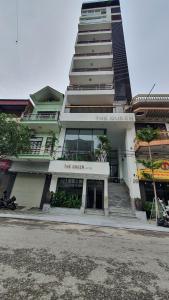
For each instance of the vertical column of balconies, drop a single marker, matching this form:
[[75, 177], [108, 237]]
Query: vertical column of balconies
[[91, 76]]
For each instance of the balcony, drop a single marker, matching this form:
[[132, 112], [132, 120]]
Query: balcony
[[91, 87], [162, 143], [92, 69], [43, 122], [94, 41], [96, 76], [38, 154], [95, 30], [104, 46], [94, 54], [93, 19], [92, 94], [94, 109], [101, 25], [149, 107]]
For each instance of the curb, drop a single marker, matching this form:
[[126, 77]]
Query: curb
[[71, 220]]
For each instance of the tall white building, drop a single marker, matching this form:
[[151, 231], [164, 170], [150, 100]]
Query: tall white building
[[95, 106]]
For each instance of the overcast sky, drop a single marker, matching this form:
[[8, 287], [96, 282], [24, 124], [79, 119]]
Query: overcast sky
[[47, 32]]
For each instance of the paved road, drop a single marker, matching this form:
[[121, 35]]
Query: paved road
[[41, 261]]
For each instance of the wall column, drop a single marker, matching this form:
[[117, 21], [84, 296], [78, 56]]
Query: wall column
[[131, 167], [120, 164], [53, 183], [106, 198], [83, 206], [60, 143]]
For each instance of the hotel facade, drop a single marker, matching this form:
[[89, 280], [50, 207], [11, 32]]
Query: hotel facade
[[95, 105]]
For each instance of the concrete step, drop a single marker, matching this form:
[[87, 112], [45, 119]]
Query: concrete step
[[120, 215], [97, 212]]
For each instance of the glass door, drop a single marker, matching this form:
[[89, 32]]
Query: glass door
[[95, 194]]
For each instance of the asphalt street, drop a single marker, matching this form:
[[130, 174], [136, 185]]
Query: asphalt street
[[43, 260]]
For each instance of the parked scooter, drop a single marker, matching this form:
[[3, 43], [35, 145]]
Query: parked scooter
[[8, 203], [164, 221]]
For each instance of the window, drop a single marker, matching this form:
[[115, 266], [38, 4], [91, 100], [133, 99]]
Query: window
[[116, 17], [81, 143], [115, 10], [70, 186], [36, 144]]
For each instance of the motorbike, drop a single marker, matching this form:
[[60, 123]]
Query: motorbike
[[164, 221], [8, 203]]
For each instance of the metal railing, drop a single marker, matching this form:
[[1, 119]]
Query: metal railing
[[92, 69], [39, 151], [90, 87], [95, 108], [150, 98], [92, 54], [70, 155], [94, 41], [41, 117], [94, 30]]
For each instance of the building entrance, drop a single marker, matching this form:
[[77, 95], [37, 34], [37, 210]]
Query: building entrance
[[114, 166], [95, 194]]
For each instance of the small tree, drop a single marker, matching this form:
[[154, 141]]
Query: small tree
[[14, 137], [149, 134], [103, 149]]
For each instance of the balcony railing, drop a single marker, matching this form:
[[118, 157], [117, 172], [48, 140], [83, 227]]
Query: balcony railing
[[93, 54], [38, 152], [151, 98], [41, 117], [90, 87], [71, 155], [162, 139], [92, 69], [94, 41], [94, 30], [95, 108]]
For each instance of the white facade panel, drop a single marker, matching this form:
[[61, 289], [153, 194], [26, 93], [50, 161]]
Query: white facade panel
[[80, 169]]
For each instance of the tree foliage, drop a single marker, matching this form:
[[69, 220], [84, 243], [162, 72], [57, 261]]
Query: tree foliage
[[147, 134], [103, 148], [14, 137]]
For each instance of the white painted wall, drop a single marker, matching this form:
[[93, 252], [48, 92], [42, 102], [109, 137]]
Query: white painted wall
[[129, 165], [28, 189]]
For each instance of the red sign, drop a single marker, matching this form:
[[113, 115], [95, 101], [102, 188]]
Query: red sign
[[5, 165]]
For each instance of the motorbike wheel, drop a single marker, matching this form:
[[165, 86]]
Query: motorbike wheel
[[160, 222]]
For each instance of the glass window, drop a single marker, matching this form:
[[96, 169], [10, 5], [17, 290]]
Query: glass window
[[81, 143], [115, 10], [71, 140], [96, 134], [85, 142], [36, 144]]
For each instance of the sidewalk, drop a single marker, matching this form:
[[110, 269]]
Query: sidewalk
[[65, 216]]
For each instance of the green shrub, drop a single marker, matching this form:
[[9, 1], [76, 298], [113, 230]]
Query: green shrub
[[68, 200], [147, 208]]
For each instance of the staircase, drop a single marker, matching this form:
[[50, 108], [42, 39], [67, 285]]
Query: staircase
[[119, 201]]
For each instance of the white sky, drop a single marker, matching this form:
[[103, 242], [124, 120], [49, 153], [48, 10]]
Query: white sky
[[47, 33]]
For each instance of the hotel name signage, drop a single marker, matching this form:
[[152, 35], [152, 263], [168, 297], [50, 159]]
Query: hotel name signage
[[76, 167], [115, 117]]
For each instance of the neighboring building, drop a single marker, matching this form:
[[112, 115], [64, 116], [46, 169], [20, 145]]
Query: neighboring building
[[14, 107], [153, 110], [30, 170], [94, 105]]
